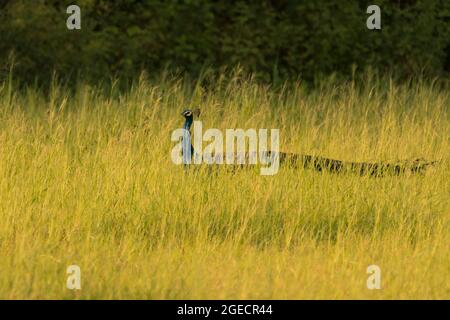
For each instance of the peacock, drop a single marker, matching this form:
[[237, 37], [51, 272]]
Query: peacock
[[318, 163]]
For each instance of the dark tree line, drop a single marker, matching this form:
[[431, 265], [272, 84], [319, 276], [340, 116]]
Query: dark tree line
[[274, 39]]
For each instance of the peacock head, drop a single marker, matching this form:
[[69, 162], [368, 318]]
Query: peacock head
[[189, 114]]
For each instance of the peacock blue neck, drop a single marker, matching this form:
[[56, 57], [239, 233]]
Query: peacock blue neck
[[188, 123], [187, 148]]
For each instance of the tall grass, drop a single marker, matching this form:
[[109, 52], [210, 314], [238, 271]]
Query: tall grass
[[86, 178]]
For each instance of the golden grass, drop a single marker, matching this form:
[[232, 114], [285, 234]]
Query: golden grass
[[86, 179]]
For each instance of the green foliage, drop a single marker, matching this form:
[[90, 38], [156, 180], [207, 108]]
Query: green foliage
[[273, 39]]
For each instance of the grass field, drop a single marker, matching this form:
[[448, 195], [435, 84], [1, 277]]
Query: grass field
[[86, 178]]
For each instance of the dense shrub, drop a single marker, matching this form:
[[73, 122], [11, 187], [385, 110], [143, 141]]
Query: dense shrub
[[274, 39]]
